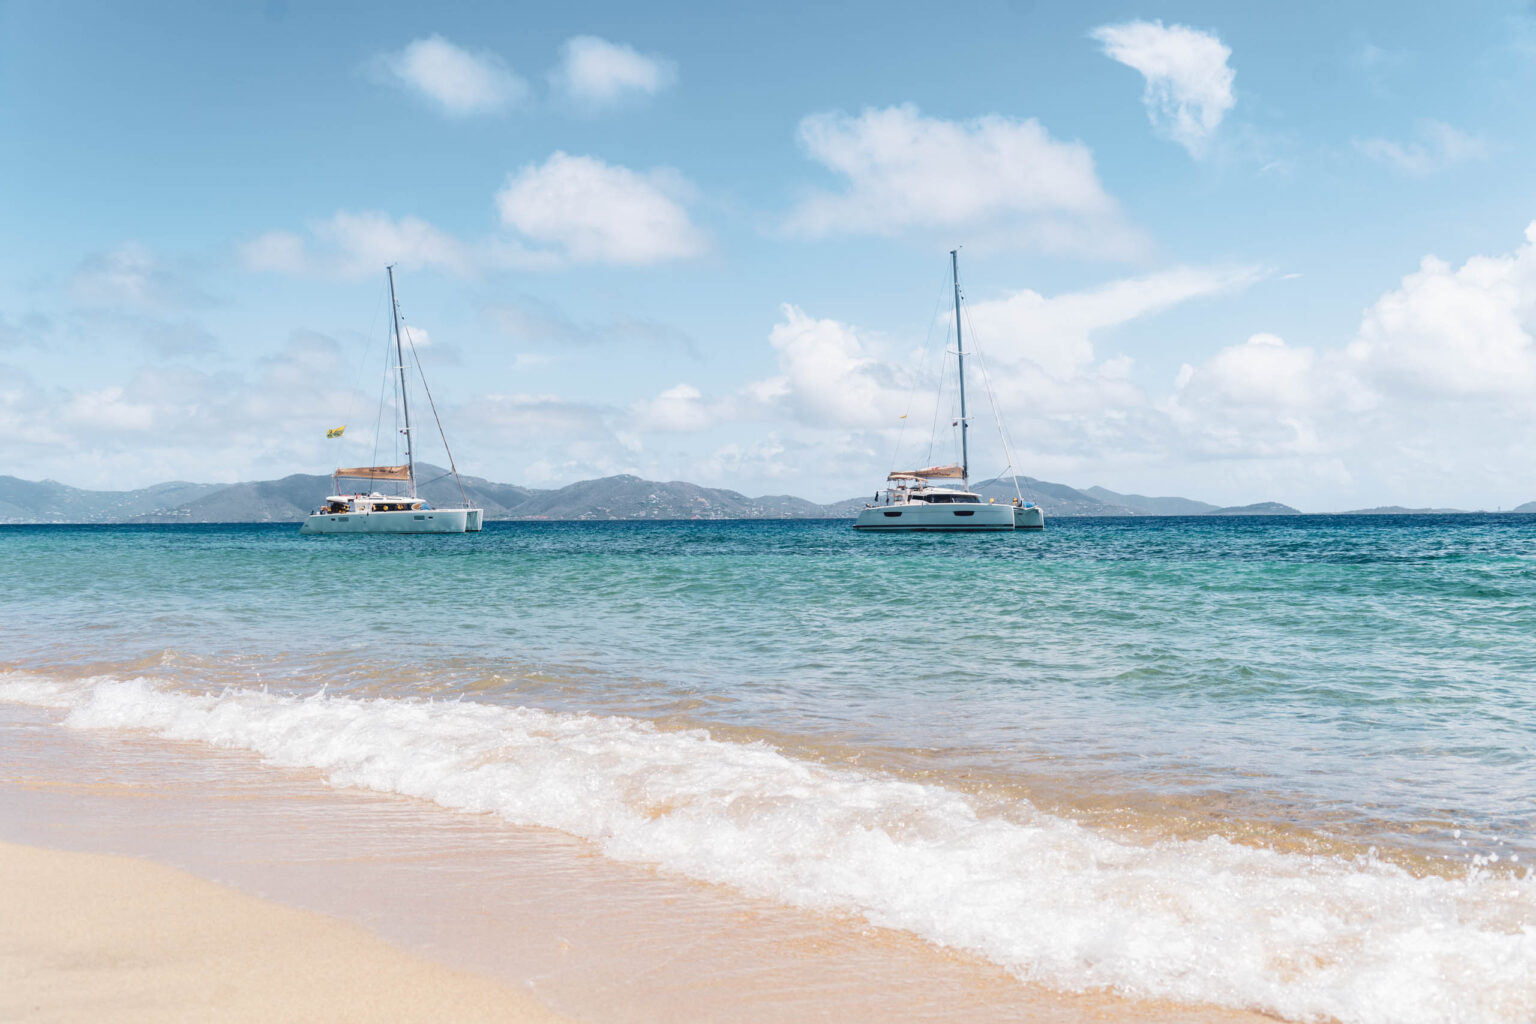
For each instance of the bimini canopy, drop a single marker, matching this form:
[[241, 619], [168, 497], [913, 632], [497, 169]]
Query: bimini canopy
[[376, 472], [931, 473]]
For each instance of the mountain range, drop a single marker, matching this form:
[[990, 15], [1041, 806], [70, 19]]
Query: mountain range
[[616, 497]]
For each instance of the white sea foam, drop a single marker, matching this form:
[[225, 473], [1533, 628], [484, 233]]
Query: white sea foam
[[1299, 936]]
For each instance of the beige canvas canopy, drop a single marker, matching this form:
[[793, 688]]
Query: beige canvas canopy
[[931, 473], [376, 472]]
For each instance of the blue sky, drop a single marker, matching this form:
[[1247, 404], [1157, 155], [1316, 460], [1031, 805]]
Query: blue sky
[[1236, 254]]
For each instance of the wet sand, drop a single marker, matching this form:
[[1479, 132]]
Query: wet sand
[[522, 918]]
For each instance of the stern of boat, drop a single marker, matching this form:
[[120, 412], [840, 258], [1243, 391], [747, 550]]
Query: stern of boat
[[1028, 517]]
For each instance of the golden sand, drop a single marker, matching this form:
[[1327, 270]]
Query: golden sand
[[529, 912], [91, 937]]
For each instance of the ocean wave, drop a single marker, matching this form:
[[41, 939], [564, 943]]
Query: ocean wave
[[1209, 921]]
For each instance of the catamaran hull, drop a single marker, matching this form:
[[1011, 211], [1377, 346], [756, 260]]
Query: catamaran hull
[[948, 518], [1032, 518], [437, 520], [472, 520]]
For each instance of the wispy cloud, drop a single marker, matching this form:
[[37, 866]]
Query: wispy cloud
[[1436, 147], [1189, 83], [131, 277]]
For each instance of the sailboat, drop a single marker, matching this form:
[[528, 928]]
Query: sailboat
[[919, 499], [374, 512]]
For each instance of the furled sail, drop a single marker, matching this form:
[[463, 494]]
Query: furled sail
[[376, 472], [930, 473]]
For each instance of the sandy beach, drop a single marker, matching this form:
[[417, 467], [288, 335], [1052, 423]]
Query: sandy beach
[[343, 904], [103, 938]]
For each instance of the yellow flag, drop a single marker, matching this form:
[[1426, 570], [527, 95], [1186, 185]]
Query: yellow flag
[[336, 431]]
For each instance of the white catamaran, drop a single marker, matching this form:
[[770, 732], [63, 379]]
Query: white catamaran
[[912, 501], [399, 513]]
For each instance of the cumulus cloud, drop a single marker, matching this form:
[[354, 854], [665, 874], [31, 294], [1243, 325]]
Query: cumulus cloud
[[1005, 176], [1464, 331], [569, 209], [1259, 399], [596, 72], [588, 211], [831, 374], [1189, 83], [1440, 374], [1436, 147], [459, 82]]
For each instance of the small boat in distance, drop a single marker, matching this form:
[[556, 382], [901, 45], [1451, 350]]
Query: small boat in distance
[[375, 512], [911, 500]]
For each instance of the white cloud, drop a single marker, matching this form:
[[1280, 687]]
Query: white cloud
[[179, 423], [1437, 147], [357, 244], [108, 409], [831, 374], [1038, 355], [1055, 333], [680, 408], [1456, 332], [573, 209], [460, 82], [588, 211], [1189, 84], [415, 334], [995, 174], [1426, 405], [1425, 402], [597, 72], [276, 250], [1260, 399]]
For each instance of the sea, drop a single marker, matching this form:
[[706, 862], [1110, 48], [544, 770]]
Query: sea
[[1274, 763]]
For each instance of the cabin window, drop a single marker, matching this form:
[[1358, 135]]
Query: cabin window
[[892, 514], [418, 517], [968, 512]]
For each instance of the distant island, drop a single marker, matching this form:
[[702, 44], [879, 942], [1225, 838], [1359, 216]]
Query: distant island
[[622, 497]]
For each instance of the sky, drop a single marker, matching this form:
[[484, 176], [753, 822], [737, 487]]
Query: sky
[[1231, 252]]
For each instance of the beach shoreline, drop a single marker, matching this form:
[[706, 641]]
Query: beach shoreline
[[532, 914]]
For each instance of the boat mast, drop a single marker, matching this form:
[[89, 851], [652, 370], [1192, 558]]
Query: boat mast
[[965, 458], [410, 457]]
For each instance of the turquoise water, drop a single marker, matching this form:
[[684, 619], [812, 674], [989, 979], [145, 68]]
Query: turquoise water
[[1281, 763], [1370, 676]]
